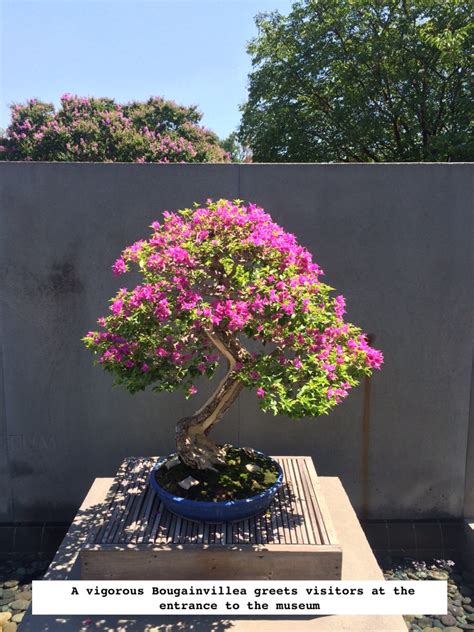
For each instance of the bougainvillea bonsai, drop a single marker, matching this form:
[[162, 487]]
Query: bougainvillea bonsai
[[223, 279]]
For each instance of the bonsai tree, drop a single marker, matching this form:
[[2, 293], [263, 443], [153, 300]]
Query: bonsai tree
[[224, 280]]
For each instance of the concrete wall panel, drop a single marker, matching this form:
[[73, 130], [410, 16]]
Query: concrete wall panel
[[396, 240]]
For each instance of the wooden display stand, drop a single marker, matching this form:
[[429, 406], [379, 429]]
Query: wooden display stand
[[137, 538]]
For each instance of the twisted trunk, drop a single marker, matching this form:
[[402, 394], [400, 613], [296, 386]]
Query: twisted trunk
[[192, 441]]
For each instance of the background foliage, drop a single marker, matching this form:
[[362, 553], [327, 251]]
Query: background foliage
[[101, 130], [362, 80]]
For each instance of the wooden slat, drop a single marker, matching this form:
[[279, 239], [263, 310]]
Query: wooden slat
[[131, 523], [119, 482], [275, 537], [307, 525], [122, 501], [276, 513], [298, 515], [150, 497], [212, 534], [282, 514], [160, 521], [288, 510], [218, 563], [311, 512], [101, 518], [312, 490]]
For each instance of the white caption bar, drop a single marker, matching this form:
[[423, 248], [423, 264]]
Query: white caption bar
[[239, 597]]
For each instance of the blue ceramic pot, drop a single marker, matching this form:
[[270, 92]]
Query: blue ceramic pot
[[219, 511]]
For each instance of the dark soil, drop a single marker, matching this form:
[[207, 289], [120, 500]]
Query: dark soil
[[230, 482]]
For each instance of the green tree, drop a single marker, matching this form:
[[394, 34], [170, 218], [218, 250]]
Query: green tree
[[235, 149], [362, 80]]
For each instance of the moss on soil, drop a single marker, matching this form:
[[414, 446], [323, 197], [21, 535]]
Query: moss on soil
[[230, 482]]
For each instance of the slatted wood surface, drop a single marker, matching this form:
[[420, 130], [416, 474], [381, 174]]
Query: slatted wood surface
[[136, 520]]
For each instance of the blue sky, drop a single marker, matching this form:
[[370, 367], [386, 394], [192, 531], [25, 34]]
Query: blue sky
[[191, 51]]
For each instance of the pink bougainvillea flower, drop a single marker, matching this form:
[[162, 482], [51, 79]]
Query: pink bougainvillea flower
[[119, 267]]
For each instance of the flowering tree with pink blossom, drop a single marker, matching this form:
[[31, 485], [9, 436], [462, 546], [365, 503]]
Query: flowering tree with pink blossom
[[218, 279], [101, 130]]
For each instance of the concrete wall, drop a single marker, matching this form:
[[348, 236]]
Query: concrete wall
[[396, 240], [469, 479]]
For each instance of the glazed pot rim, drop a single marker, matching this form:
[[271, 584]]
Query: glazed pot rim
[[216, 503]]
